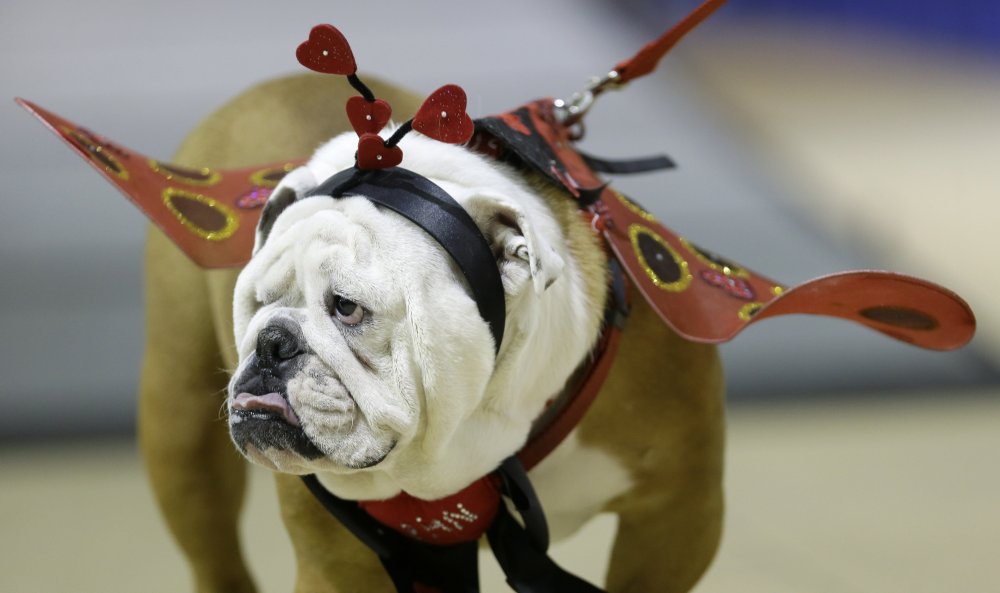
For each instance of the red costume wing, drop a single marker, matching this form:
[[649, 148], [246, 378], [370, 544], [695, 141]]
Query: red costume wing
[[210, 214], [706, 298]]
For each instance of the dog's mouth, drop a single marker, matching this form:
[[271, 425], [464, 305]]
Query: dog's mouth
[[270, 406], [268, 422]]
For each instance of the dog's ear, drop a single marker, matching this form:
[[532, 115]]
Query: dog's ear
[[292, 187], [521, 249]]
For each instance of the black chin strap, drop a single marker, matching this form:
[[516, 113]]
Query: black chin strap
[[432, 209], [521, 549]]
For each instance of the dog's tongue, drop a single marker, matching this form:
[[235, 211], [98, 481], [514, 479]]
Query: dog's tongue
[[269, 402]]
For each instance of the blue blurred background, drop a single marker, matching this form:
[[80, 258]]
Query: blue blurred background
[[973, 24]]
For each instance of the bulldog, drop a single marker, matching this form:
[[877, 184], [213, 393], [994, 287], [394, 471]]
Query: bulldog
[[364, 359], [370, 364], [369, 359], [361, 358]]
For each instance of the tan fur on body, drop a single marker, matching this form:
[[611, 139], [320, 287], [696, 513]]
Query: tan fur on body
[[660, 414]]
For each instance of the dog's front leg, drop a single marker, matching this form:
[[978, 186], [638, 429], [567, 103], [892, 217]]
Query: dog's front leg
[[196, 473], [671, 522], [330, 558], [666, 551], [669, 529], [662, 415]]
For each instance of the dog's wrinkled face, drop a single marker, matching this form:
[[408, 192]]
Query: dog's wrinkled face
[[363, 357], [341, 314]]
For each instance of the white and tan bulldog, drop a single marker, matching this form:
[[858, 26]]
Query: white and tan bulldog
[[383, 376], [362, 357], [364, 360]]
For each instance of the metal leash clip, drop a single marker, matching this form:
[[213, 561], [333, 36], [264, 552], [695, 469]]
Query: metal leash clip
[[571, 112]]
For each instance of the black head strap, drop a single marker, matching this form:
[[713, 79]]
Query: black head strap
[[432, 209]]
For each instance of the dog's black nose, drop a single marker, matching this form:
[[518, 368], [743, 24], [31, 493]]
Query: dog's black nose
[[277, 346]]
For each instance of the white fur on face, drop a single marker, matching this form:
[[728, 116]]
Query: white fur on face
[[417, 379], [360, 389]]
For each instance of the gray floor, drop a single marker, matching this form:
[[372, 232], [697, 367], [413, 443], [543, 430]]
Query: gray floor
[[143, 73], [890, 497]]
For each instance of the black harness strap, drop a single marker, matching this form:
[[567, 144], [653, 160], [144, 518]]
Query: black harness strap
[[432, 209], [449, 569], [626, 166], [382, 541], [521, 551]]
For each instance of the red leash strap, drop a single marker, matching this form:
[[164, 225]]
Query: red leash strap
[[649, 56], [571, 112]]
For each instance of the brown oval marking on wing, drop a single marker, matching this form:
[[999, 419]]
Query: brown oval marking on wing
[[201, 177], [661, 262], [270, 177], [202, 215], [97, 153], [901, 317]]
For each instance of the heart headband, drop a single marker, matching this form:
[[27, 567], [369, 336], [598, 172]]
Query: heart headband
[[377, 177], [442, 116]]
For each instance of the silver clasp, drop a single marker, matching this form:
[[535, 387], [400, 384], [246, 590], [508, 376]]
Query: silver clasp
[[569, 113]]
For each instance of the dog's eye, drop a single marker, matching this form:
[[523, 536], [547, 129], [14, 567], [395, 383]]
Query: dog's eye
[[346, 311]]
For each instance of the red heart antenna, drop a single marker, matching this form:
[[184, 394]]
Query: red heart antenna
[[327, 51], [442, 116], [368, 117], [375, 153]]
